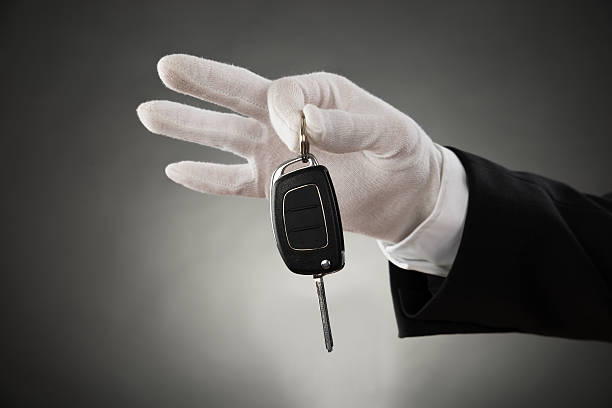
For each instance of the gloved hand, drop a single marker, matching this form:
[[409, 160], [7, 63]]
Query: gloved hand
[[386, 170]]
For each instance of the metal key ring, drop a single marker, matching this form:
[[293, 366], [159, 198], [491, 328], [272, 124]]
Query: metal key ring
[[304, 146]]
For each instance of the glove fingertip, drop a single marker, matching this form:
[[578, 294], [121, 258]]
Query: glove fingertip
[[285, 101], [173, 172], [155, 115], [145, 112], [315, 123], [282, 124], [171, 67]]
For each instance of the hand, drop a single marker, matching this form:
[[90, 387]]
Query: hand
[[386, 170]]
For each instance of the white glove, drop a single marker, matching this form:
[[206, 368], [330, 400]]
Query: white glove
[[386, 170]]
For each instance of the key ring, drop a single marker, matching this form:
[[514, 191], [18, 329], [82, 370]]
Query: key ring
[[304, 147]]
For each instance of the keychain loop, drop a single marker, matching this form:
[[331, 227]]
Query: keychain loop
[[304, 146]]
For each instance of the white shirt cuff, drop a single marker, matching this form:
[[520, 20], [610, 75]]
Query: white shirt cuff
[[432, 246]]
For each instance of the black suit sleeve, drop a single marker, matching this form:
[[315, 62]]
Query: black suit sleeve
[[535, 257]]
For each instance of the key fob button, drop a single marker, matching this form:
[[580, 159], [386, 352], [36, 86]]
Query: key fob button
[[304, 219]]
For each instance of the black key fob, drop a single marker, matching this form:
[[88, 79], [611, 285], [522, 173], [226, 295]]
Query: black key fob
[[306, 219]]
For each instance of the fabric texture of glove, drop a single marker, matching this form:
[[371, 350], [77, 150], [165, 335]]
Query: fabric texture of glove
[[433, 245], [386, 170]]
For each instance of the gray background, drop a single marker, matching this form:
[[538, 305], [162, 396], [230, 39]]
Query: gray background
[[121, 288]]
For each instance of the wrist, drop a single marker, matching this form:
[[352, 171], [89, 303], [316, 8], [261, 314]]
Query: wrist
[[421, 194], [432, 245]]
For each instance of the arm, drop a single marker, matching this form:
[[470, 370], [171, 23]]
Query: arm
[[535, 257], [532, 256]]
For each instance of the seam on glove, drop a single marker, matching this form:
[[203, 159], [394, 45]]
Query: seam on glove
[[264, 108]]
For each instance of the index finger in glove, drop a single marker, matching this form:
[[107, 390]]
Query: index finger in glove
[[338, 131], [340, 116]]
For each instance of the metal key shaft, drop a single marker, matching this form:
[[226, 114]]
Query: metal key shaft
[[329, 342]]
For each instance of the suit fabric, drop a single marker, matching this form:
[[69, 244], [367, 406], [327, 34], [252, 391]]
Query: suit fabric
[[535, 257]]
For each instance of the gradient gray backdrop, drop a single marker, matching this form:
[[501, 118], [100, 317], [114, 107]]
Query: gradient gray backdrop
[[121, 288]]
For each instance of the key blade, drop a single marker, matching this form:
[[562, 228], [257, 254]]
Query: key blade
[[329, 342]]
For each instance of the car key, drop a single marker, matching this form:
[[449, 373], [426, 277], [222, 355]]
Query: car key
[[306, 223]]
